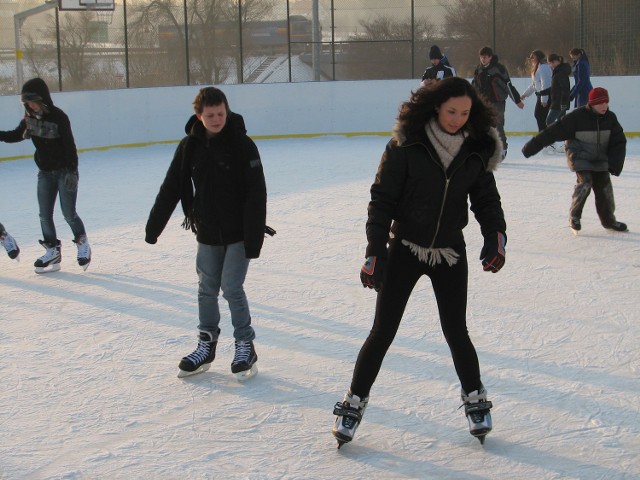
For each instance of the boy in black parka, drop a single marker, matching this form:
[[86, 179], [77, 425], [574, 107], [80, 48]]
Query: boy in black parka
[[217, 175]]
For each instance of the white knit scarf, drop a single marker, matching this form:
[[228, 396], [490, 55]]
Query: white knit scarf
[[445, 144]]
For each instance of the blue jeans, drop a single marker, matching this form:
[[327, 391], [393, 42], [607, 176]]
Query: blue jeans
[[223, 267], [50, 185]]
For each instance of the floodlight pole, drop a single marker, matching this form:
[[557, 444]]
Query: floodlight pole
[[18, 21]]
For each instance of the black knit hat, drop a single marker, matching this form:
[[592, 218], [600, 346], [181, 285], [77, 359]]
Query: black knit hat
[[435, 53]]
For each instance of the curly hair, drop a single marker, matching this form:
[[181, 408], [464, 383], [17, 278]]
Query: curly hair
[[423, 104]]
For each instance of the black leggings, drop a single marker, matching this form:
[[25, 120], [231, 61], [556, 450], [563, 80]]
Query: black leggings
[[403, 270]]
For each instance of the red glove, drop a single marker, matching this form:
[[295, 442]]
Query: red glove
[[372, 272]]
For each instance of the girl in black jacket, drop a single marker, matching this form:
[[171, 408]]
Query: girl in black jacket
[[442, 155], [217, 175]]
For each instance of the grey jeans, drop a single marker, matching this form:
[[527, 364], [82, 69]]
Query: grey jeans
[[223, 268]]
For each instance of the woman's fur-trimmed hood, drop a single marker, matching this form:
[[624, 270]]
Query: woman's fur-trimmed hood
[[489, 146]]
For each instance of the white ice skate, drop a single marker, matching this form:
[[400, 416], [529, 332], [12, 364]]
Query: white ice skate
[[348, 417], [50, 261], [10, 245], [84, 251], [476, 408]]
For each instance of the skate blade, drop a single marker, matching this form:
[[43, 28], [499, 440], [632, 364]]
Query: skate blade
[[574, 231], [85, 266], [201, 369], [247, 374], [54, 267]]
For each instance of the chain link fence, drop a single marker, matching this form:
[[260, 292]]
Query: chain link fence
[[145, 43]]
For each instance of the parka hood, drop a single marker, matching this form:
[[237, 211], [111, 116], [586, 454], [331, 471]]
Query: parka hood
[[36, 90]]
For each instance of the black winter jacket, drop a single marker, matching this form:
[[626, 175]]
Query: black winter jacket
[[220, 183], [417, 200], [438, 72], [494, 83], [49, 131], [593, 142], [560, 87]]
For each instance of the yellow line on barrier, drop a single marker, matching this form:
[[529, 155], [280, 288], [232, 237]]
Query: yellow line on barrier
[[269, 137]]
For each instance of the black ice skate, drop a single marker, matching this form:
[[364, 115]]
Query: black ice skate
[[84, 251], [10, 245], [574, 225], [244, 361], [617, 227], [200, 359], [476, 408], [50, 261], [348, 417]]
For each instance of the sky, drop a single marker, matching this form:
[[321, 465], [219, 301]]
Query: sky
[[89, 358]]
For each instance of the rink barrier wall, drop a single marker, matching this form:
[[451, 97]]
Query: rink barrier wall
[[139, 117]]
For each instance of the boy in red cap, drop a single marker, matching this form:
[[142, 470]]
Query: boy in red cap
[[595, 145]]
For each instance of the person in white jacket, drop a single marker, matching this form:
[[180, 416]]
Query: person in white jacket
[[540, 81]]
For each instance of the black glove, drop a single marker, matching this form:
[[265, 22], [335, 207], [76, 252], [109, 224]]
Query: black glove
[[493, 252], [372, 272]]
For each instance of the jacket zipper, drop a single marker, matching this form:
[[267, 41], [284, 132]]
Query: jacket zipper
[[446, 189]]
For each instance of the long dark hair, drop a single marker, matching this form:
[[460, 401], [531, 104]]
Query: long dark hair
[[554, 57], [423, 104], [580, 53], [539, 55]]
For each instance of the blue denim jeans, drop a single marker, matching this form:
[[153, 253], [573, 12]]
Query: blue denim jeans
[[51, 185], [223, 267]]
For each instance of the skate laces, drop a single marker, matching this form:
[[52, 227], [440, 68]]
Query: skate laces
[[84, 250], [51, 254], [200, 353], [243, 352]]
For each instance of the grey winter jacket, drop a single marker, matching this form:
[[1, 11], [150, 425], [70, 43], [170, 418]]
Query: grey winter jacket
[[593, 142]]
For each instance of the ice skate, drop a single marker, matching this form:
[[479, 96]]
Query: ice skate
[[244, 361], [50, 261], [476, 408], [574, 225], [10, 245], [200, 359], [617, 227], [348, 417], [84, 251]]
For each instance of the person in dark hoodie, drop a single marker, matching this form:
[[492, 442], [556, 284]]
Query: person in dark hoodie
[[56, 156], [217, 175], [595, 146], [560, 88], [492, 80], [9, 243], [442, 155], [439, 69]]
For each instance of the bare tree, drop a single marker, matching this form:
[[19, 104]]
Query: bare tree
[[382, 49]]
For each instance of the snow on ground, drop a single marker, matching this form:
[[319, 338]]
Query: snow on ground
[[89, 359]]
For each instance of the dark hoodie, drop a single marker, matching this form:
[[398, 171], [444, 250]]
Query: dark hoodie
[[494, 83], [49, 130], [560, 87], [221, 186]]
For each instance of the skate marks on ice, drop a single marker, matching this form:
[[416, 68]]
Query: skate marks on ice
[[89, 359]]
